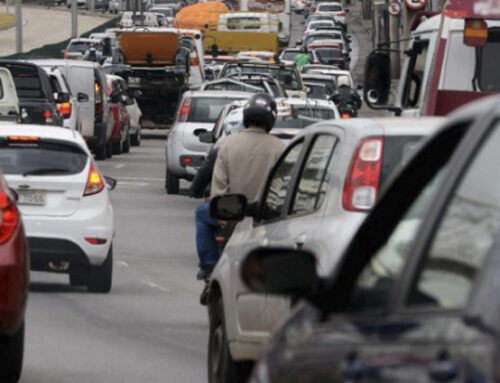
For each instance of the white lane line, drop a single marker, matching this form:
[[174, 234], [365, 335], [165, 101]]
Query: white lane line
[[139, 178], [119, 166], [121, 184], [121, 263], [156, 286]]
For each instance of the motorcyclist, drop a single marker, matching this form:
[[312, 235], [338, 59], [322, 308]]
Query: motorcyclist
[[242, 165], [345, 95], [303, 58]]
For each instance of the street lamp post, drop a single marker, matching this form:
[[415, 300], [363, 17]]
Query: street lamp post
[[74, 19], [19, 27]]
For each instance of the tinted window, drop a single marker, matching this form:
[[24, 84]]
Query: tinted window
[[29, 157], [326, 53], [330, 8], [27, 81], [489, 80], [206, 109], [243, 23], [289, 79], [314, 178], [277, 188], [465, 235]]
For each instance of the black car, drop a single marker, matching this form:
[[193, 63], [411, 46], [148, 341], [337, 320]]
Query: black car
[[37, 104], [414, 297]]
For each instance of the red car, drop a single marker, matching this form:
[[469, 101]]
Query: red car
[[117, 102], [14, 280]]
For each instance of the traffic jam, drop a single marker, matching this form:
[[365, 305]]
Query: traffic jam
[[304, 208]]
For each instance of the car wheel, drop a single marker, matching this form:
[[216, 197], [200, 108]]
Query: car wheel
[[101, 152], [136, 138], [101, 277], [171, 182], [221, 366], [11, 356], [126, 144], [117, 147]]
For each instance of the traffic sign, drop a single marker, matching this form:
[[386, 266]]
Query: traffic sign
[[416, 5], [394, 9]]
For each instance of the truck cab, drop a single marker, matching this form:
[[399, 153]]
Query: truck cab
[[451, 60]]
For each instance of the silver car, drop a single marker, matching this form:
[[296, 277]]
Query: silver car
[[197, 113], [315, 197]]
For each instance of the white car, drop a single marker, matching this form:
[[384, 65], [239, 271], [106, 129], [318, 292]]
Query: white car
[[64, 202], [299, 5], [288, 55], [314, 25], [327, 71], [336, 10]]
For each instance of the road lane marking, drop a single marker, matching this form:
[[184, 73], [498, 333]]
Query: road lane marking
[[121, 263], [132, 184], [150, 179], [156, 286], [119, 166]]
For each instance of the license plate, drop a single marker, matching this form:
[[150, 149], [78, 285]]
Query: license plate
[[31, 197]]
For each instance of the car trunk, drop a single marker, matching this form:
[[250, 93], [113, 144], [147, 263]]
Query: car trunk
[[49, 177]]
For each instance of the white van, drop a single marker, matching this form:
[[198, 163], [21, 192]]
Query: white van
[[87, 81], [9, 102], [248, 22]]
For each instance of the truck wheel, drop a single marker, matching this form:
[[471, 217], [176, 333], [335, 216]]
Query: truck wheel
[[11, 356], [101, 152], [171, 183], [126, 144], [117, 147], [136, 138], [101, 277], [221, 366]]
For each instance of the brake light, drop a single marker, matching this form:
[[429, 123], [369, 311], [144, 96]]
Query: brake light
[[23, 138], [47, 114], [362, 184], [341, 13], [96, 241], [65, 109], [10, 217], [95, 181], [185, 109], [345, 115], [98, 99], [476, 33]]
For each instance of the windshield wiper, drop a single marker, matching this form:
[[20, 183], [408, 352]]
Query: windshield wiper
[[42, 171]]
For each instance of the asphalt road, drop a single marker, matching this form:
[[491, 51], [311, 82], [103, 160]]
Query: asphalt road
[[151, 327]]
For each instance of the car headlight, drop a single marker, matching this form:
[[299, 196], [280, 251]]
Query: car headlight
[[260, 373]]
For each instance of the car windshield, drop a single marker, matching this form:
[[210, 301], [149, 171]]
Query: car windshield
[[79, 47], [288, 78], [290, 55], [165, 2], [329, 8], [321, 24], [207, 109], [39, 157], [323, 36]]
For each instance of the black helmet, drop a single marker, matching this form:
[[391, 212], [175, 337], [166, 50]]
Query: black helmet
[[260, 111]]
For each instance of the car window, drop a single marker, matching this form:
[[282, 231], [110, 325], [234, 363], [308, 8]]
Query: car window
[[465, 235], [278, 184], [207, 109], [314, 177]]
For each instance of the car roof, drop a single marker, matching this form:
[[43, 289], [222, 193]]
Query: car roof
[[219, 94], [57, 62], [43, 131]]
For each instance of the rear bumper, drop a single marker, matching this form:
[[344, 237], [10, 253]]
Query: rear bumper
[[14, 277]]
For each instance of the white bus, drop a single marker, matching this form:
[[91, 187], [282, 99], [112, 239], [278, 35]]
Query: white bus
[[280, 7]]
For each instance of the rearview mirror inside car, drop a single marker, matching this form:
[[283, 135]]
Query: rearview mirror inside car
[[82, 97], [110, 182], [229, 207], [280, 271]]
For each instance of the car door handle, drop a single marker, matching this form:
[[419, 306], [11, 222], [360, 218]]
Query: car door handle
[[443, 371], [197, 132]]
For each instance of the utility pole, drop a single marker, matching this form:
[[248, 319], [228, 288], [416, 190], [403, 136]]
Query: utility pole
[[377, 35], [7, 6], [394, 36], [74, 20], [19, 28], [92, 5]]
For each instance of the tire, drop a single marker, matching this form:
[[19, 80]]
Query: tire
[[136, 138], [101, 277], [11, 356], [221, 367], [101, 152], [126, 144], [117, 147], [171, 183]]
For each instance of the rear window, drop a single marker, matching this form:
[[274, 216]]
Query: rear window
[[292, 123], [42, 158], [318, 92], [243, 23], [329, 83], [288, 78], [329, 8], [315, 112], [79, 47], [27, 81], [328, 53], [397, 149], [206, 109], [290, 55]]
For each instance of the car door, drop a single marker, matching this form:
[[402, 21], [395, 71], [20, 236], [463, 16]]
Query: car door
[[252, 319], [81, 80]]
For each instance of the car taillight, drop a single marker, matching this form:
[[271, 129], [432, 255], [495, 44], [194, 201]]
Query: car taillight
[[95, 181], [185, 109], [98, 99], [341, 13], [65, 109], [362, 183], [345, 115], [10, 217]]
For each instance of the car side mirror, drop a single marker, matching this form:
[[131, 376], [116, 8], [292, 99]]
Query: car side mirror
[[110, 183], [206, 137], [280, 271], [82, 97], [298, 42], [377, 81], [228, 207], [62, 97]]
